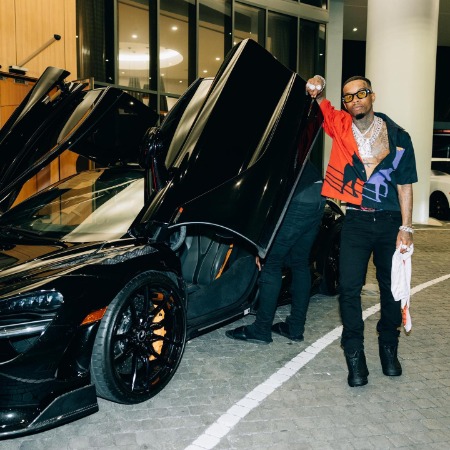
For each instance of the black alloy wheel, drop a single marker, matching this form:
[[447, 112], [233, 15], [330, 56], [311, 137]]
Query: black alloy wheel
[[439, 207], [140, 341]]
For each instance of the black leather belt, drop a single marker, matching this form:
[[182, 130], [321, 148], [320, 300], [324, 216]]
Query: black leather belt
[[361, 208]]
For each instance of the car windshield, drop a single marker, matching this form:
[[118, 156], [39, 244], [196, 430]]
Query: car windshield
[[93, 205]]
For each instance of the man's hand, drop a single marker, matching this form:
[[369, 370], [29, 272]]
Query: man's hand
[[404, 241], [315, 87]]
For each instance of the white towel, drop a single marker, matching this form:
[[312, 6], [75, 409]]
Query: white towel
[[401, 282]]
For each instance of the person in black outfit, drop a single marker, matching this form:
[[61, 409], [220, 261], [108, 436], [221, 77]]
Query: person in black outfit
[[372, 168], [292, 246]]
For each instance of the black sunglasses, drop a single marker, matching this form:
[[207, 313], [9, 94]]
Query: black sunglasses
[[362, 93]]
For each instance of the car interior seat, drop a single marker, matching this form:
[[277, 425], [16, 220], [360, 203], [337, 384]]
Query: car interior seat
[[203, 260], [217, 271]]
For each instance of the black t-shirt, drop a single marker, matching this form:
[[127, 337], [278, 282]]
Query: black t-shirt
[[309, 186]]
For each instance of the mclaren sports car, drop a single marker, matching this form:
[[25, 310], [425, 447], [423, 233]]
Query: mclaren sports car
[[106, 274]]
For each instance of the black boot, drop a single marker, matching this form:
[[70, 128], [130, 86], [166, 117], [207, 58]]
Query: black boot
[[357, 368], [389, 361]]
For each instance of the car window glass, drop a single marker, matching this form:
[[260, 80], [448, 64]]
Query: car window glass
[[441, 144], [93, 205]]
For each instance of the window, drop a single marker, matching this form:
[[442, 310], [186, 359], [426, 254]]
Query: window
[[248, 23], [134, 54], [214, 35], [282, 39], [174, 46]]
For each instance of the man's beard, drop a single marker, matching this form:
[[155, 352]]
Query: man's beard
[[360, 116]]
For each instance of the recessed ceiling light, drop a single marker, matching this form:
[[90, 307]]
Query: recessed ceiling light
[[217, 58], [355, 29], [135, 56], [174, 28], [134, 36], [205, 71]]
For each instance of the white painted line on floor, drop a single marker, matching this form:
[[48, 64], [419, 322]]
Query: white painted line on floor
[[225, 423]]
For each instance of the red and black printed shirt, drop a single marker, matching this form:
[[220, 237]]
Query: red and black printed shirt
[[345, 177]]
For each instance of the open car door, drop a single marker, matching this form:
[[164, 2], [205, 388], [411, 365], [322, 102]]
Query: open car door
[[231, 155], [105, 125]]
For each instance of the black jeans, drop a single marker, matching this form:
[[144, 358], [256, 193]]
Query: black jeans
[[363, 234], [292, 246]]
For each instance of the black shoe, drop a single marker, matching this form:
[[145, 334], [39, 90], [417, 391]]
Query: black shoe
[[242, 334], [389, 361], [282, 328], [357, 368]]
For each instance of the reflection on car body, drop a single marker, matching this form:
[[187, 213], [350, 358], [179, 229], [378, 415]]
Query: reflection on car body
[[105, 275]]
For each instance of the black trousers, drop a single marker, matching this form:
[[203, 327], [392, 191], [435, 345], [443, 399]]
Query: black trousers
[[365, 234], [291, 245]]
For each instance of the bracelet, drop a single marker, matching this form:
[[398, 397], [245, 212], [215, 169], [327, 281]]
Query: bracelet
[[407, 229]]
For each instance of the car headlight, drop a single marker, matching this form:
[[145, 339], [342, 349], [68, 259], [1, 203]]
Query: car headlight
[[28, 314], [36, 302]]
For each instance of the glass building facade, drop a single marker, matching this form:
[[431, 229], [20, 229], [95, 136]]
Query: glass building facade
[[156, 48]]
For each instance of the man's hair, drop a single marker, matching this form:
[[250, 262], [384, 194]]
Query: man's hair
[[358, 77]]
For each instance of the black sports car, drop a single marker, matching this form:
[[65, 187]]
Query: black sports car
[[106, 274]]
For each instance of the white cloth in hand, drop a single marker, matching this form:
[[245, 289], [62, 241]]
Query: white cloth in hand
[[401, 282]]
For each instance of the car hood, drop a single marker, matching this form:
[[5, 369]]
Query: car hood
[[105, 125], [36, 263], [232, 149]]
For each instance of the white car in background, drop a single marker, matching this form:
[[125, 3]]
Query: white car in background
[[440, 188]]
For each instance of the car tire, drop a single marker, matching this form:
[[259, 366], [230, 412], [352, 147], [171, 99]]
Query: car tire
[[329, 284], [140, 341], [439, 206]]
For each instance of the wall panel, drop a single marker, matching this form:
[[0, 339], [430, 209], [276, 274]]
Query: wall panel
[[36, 23], [70, 38], [7, 34], [27, 25]]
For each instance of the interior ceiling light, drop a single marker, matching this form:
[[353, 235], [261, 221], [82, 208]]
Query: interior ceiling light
[[134, 56]]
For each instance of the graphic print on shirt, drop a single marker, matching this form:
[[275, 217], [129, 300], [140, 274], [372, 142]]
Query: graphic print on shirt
[[345, 179], [376, 186]]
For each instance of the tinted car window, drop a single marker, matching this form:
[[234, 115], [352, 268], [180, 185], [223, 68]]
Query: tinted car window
[[441, 164], [441, 144]]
